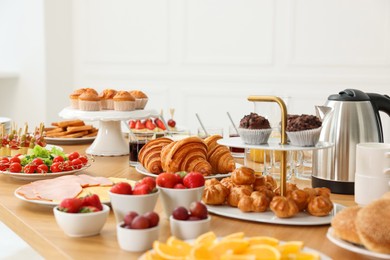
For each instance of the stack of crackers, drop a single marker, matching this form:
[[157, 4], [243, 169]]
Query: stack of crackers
[[71, 129]]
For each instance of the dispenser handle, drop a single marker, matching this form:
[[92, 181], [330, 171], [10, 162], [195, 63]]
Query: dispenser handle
[[380, 103]]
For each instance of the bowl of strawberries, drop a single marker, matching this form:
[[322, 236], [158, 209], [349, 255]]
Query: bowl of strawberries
[[179, 189], [81, 217], [141, 198]]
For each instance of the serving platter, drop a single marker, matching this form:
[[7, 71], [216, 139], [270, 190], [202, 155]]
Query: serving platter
[[353, 247], [301, 219], [41, 176], [66, 141], [139, 168]]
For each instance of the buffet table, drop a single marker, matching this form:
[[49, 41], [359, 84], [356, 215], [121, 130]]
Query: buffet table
[[37, 226]]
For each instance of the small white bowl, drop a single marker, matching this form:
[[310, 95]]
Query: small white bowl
[[81, 224], [122, 204], [136, 240], [189, 229], [173, 198]]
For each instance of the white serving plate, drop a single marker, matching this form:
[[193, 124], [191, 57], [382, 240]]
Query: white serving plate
[[305, 249], [65, 141], [41, 176], [143, 171], [301, 219], [352, 247]]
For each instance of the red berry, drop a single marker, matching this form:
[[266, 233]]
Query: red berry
[[153, 218], [128, 218], [70, 205], [198, 209], [92, 200], [151, 182], [122, 188], [193, 180], [88, 209], [180, 213], [166, 180], [141, 189], [140, 222], [179, 186], [132, 124]]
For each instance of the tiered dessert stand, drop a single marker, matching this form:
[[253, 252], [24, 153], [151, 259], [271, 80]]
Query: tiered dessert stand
[[109, 140], [282, 146]]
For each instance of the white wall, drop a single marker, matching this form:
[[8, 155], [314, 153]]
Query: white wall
[[199, 56]]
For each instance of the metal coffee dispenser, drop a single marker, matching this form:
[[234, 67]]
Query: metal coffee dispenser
[[349, 117]]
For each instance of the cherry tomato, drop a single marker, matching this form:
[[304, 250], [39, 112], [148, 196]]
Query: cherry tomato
[[73, 156], [56, 167], [84, 159], [14, 159], [77, 163], [58, 158], [3, 167], [15, 167], [37, 161], [42, 168], [29, 168], [4, 160], [67, 166]]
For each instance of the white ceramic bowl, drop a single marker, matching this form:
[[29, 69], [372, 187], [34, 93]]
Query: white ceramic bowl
[[136, 240], [189, 229], [122, 204], [173, 198], [81, 224]]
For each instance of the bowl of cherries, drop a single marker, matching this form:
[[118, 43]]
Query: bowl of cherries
[[190, 223], [137, 232]]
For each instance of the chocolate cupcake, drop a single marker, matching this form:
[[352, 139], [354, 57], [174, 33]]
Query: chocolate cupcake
[[254, 129], [303, 130]]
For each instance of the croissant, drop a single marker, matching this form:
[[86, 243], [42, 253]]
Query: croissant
[[211, 141], [221, 159], [150, 154], [188, 154]]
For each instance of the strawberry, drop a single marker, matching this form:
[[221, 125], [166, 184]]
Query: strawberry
[[166, 180], [132, 124], [179, 186], [149, 125], [139, 125], [142, 189], [151, 182], [92, 200], [193, 180], [88, 209], [122, 188], [70, 205], [159, 123]]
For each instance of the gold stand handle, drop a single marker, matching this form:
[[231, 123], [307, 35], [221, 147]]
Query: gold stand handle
[[283, 137]]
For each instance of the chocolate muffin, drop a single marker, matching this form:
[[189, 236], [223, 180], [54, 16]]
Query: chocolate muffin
[[254, 129], [303, 130]]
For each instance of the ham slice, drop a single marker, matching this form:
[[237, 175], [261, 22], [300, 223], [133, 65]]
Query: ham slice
[[57, 189]]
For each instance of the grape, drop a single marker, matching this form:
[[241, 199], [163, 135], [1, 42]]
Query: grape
[[198, 209], [153, 218], [140, 222], [129, 217], [180, 213]]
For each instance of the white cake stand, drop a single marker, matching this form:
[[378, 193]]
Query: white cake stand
[[109, 140]]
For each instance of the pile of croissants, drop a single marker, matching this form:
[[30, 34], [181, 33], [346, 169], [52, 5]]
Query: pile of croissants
[[189, 154]]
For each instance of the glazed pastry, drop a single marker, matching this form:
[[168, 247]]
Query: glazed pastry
[[221, 159], [322, 191], [215, 194], [283, 207], [243, 176], [212, 181], [245, 204], [236, 193], [260, 201], [150, 154], [300, 197], [272, 181], [319, 206], [259, 181], [228, 183], [289, 187], [188, 154], [265, 189]]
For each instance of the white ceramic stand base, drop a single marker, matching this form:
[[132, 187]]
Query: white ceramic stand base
[[109, 140]]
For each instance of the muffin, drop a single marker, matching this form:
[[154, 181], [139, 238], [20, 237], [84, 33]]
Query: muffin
[[304, 130], [107, 99], [254, 129], [74, 98], [89, 100], [140, 99], [124, 101]]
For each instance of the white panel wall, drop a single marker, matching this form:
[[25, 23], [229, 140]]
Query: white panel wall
[[207, 57]]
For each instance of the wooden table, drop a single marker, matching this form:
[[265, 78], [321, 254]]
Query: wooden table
[[37, 226]]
